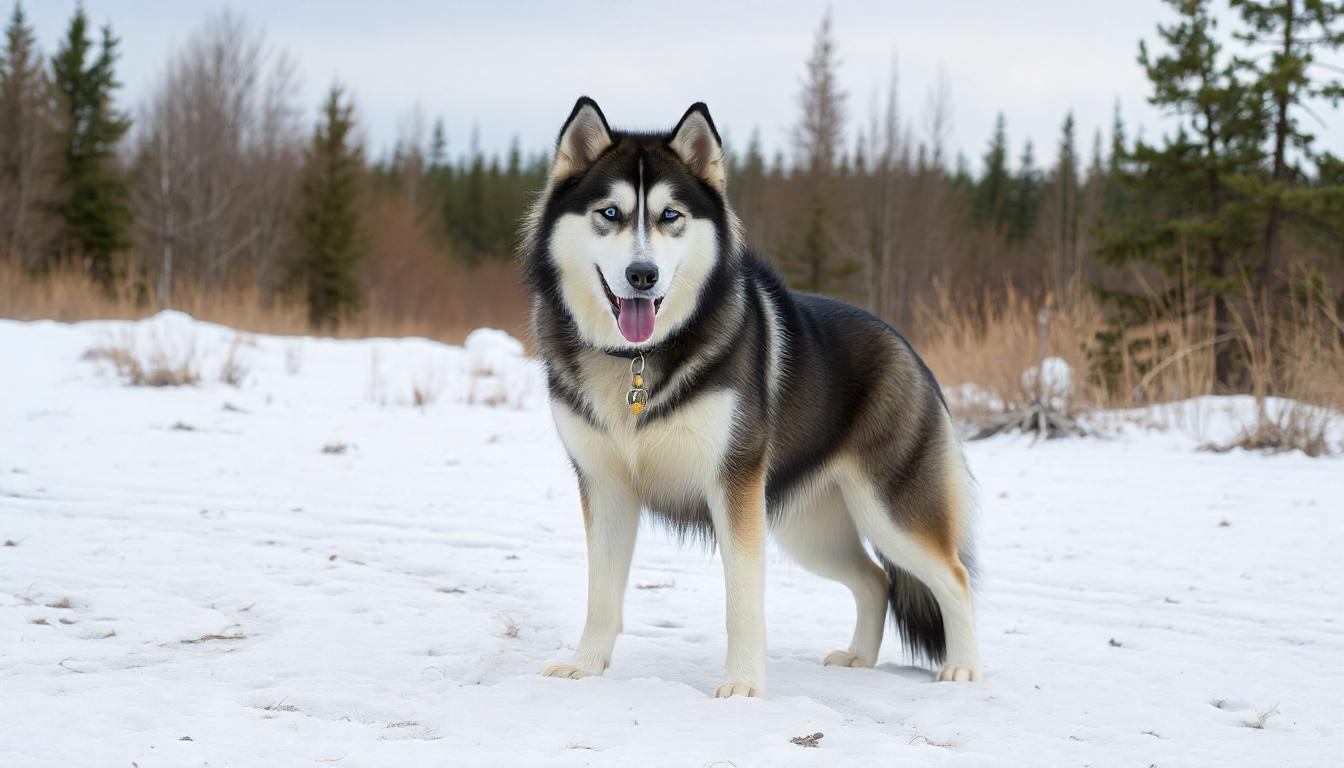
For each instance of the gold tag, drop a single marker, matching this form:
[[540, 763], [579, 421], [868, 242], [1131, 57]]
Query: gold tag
[[637, 396]]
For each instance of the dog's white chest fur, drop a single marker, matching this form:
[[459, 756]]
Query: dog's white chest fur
[[676, 456]]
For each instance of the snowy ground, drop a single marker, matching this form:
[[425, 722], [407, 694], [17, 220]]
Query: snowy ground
[[204, 576]]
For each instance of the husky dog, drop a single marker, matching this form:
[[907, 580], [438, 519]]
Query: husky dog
[[686, 379]]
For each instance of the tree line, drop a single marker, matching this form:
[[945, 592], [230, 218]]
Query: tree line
[[1235, 213], [218, 178]]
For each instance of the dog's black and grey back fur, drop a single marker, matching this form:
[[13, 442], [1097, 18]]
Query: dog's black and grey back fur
[[830, 407]]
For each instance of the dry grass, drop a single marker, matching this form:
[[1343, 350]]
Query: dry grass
[[1293, 357], [233, 371], [1262, 717], [451, 301], [1300, 359], [162, 367], [991, 343]]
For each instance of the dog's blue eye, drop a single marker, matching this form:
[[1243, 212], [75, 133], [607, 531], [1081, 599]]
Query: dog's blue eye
[[670, 215], [611, 214]]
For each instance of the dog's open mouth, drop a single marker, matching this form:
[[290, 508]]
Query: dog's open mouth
[[634, 316]]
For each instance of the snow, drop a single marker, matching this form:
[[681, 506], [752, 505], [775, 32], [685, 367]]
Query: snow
[[194, 581], [1055, 386]]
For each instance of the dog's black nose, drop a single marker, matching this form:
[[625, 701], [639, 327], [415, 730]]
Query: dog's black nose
[[642, 275]]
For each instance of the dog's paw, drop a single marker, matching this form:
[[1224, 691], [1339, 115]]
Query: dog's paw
[[845, 659], [738, 689], [570, 671], [958, 673]]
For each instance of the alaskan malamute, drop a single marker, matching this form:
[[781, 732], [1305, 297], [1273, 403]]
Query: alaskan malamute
[[686, 379]]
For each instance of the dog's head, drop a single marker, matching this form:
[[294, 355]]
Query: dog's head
[[631, 227]]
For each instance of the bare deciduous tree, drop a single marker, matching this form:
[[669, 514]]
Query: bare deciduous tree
[[409, 161], [218, 148]]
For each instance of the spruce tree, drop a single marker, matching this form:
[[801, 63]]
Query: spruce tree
[[1185, 217], [1296, 32], [1066, 194], [438, 146], [96, 209], [1024, 198], [468, 212], [331, 244], [28, 166], [1113, 195], [989, 204], [816, 267]]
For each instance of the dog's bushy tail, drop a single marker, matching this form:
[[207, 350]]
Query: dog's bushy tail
[[916, 615]]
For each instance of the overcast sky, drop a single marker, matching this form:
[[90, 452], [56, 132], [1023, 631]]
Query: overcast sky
[[515, 68]]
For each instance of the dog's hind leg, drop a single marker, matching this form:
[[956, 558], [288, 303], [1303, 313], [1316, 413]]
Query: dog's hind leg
[[610, 521], [821, 536], [918, 535]]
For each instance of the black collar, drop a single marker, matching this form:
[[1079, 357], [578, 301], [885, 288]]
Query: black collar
[[629, 354]]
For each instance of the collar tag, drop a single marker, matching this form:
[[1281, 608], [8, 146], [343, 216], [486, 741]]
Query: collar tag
[[637, 396]]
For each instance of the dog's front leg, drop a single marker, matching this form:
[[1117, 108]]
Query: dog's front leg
[[610, 521], [739, 525]]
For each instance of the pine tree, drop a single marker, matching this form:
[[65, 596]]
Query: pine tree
[[814, 246], [330, 239], [961, 177], [1114, 197], [96, 209], [1297, 30], [1066, 193], [467, 211], [1024, 201], [1096, 162], [1185, 218], [28, 156], [989, 205], [438, 146]]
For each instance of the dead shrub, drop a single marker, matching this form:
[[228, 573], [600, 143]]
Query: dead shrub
[[1295, 361], [161, 367], [234, 370]]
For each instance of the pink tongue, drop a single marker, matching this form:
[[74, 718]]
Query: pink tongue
[[636, 319]]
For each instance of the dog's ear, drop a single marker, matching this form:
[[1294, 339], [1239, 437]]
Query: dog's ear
[[697, 143], [583, 139]]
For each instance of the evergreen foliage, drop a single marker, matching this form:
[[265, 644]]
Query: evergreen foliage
[[28, 126], [96, 209], [328, 223], [989, 206]]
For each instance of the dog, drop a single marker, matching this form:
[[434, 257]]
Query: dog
[[686, 379]]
